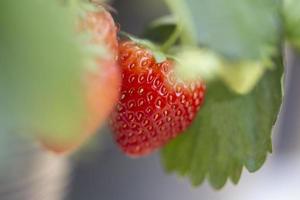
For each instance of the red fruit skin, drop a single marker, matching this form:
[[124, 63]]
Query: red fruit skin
[[101, 85], [154, 107], [102, 28]]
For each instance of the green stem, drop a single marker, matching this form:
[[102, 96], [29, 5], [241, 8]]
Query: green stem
[[172, 39]]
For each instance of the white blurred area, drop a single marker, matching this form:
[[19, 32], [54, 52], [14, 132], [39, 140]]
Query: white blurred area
[[277, 180], [27, 172]]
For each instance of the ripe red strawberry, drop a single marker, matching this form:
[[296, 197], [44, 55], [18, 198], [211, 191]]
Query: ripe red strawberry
[[101, 84], [154, 106]]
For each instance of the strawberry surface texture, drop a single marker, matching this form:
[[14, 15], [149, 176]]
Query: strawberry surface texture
[[154, 105]]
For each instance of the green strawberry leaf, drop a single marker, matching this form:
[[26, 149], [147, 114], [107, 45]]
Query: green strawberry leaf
[[234, 28], [41, 68], [231, 131], [291, 13]]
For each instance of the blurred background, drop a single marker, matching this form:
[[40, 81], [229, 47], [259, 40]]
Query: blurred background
[[101, 171]]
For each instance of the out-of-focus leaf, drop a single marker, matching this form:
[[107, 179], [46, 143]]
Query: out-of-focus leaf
[[160, 30], [197, 63], [291, 14], [40, 68], [240, 76], [234, 28], [231, 131]]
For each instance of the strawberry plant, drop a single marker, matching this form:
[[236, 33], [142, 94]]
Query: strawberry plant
[[202, 85]]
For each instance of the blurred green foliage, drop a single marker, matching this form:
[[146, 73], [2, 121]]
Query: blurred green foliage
[[40, 68], [247, 29], [291, 13]]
